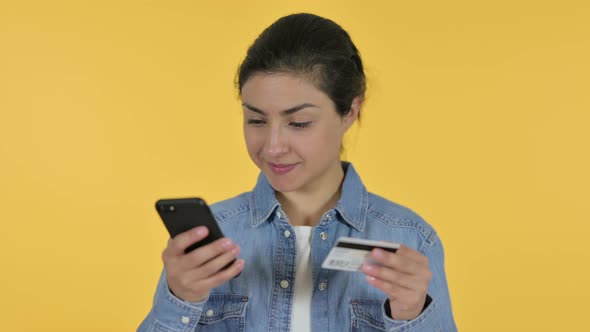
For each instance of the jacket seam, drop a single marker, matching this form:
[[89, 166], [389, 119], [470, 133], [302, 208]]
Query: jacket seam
[[401, 222], [223, 216], [431, 241]]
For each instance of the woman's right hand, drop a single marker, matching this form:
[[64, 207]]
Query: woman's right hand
[[191, 276]]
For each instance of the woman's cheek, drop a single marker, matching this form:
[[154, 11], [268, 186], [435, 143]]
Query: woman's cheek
[[254, 145]]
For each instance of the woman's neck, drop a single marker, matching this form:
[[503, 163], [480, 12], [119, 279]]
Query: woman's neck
[[306, 207]]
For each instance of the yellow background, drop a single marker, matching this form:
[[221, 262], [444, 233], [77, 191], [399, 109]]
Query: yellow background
[[477, 118]]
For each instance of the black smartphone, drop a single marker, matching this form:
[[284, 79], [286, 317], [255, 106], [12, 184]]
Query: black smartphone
[[181, 214]]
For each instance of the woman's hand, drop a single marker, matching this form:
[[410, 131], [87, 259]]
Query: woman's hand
[[191, 276], [404, 276]]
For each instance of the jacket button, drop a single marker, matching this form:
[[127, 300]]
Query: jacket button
[[209, 313], [287, 233], [322, 286], [284, 284], [185, 320], [323, 235]]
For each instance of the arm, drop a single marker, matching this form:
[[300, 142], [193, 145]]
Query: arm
[[437, 313], [187, 279], [171, 313]]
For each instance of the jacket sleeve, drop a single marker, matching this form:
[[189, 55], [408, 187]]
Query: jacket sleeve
[[169, 313], [437, 315]]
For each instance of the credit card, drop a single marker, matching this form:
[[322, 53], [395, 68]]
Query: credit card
[[349, 253]]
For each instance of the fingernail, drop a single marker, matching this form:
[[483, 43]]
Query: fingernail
[[378, 253], [201, 230], [368, 267], [235, 250], [240, 263], [225, 244]]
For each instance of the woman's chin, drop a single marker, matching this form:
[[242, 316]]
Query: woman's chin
[[283, 185]]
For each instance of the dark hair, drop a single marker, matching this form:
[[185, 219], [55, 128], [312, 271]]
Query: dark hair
[[312, 46]]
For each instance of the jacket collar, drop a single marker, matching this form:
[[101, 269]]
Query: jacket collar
[[352, 205]]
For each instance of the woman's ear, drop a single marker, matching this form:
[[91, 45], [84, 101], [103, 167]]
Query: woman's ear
[[353, 114]]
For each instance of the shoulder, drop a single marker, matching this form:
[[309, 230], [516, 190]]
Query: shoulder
[[395, 215], [226, 209]]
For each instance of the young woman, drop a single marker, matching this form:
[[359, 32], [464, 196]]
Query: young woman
[[302, 86]]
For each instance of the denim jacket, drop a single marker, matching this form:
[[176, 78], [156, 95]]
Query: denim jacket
[[261, 297]]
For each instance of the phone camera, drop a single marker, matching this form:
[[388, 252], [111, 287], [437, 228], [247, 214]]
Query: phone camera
[[171, 208]]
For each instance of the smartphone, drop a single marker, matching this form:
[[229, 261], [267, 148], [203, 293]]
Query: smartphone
[[181, 214]]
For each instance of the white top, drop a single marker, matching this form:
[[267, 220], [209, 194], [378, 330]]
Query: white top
[[301, 315]]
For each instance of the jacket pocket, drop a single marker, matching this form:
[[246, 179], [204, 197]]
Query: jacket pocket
[[366, 315], [224, 312]]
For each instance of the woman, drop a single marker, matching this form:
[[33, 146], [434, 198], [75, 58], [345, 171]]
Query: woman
[[302, 86]]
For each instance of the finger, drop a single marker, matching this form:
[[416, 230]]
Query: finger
[[393, 261], [412, 254], [180, 242], [224, 275], [217, 263], [391, 276], [398, 261], [202, 255], [396, 293], [388, 288]]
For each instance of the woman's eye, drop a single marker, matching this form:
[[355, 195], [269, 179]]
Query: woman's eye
[[300, 124], [255, 122]]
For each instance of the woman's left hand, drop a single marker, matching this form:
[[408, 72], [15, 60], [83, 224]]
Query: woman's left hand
[[404, 276]]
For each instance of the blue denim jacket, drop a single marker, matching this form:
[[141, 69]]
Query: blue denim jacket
[[257, 300]]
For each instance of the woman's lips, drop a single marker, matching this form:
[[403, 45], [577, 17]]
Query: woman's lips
[[281, 168]]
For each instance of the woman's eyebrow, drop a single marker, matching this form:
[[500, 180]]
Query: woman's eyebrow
[[285, 112]]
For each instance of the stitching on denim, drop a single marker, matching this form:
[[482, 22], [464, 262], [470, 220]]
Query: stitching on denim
[[429, 311], [179, 304], [271, 313], [238, 320], [355, 303], [163, 327], [253, 216], [431, 241], [291, 294], [238, 313], [224, 215], [364, 209], [403, 222], [358, 323]]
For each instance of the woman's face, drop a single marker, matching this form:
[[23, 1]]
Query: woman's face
[[292, 131]]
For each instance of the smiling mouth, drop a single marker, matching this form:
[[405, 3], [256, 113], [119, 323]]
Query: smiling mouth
[[281, 168]]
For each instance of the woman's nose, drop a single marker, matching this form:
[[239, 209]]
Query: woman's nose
[[276, 143]]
